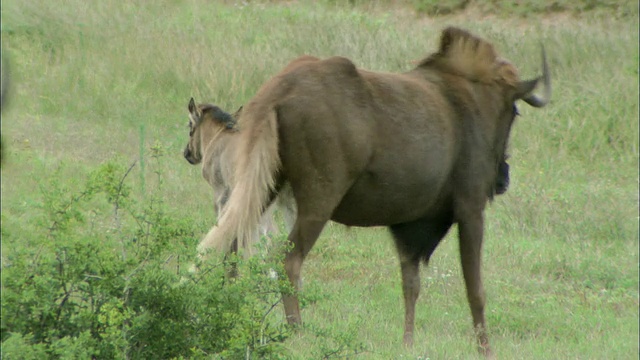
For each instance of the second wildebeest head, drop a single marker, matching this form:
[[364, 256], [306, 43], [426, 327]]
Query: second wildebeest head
[[205, 122]]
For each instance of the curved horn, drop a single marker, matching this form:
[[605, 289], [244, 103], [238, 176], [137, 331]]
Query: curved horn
[[527, 87]]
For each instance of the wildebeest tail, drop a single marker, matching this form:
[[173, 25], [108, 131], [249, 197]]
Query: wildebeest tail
[[257, 163]]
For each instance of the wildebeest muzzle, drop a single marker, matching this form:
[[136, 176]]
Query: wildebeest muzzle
[[189, 156]]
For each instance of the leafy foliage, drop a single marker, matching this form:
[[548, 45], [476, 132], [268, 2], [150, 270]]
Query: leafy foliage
[[108, 282]]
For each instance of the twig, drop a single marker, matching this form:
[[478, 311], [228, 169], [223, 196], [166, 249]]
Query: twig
[[120, 185], [117, 207]]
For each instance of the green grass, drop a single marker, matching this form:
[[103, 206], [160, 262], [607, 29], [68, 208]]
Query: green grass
[[94, 81]]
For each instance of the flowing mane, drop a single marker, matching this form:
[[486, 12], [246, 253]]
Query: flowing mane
[[467, 55]]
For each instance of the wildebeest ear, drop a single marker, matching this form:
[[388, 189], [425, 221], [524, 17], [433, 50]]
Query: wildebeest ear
[[194, 115]]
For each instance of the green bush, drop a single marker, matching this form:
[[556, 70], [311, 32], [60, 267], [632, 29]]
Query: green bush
[[104, 277]]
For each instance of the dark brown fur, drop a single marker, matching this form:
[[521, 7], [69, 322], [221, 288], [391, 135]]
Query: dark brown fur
[[417, 151]]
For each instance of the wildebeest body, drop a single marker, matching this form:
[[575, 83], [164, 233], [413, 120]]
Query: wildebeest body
[[417, 152], [384, 140]]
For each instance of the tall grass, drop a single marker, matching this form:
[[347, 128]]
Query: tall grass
[[92, 79]]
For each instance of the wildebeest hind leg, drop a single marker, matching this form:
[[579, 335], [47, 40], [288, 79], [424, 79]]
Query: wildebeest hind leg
[[471, 233], [414, 241], [303, 236], [232, 269]]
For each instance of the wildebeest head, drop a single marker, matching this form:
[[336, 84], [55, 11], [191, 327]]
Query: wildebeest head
[[465, 59], [205, 121], [523, 91]]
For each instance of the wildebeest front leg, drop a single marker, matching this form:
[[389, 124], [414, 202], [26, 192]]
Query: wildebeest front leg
[[411, 289], [471, 234], [415, 242]]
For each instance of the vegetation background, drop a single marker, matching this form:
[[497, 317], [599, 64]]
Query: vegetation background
[[101, 214]]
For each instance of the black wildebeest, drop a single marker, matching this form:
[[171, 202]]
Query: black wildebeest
[[416, 151]]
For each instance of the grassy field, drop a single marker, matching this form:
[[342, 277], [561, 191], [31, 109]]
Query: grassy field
[[111, 79]]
